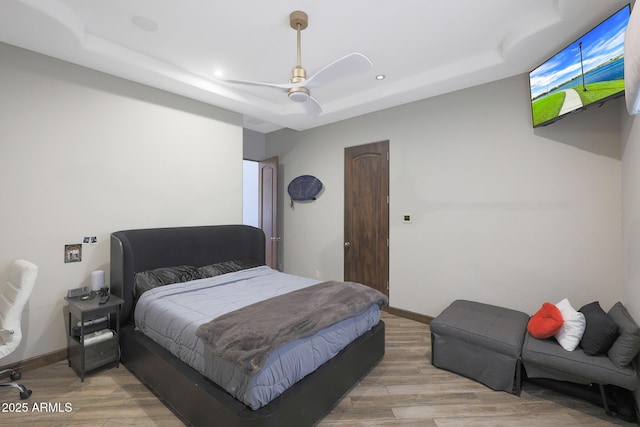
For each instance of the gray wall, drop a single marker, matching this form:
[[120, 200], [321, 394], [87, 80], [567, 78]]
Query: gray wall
[[254, 145], [502, 213], [85, 154], [631, 217]]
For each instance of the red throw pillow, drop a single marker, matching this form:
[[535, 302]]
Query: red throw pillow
[[546, 322]]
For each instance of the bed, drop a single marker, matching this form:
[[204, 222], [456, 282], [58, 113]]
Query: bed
[[185, 386]]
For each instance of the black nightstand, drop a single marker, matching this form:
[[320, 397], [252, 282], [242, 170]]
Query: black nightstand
[[94, 333]]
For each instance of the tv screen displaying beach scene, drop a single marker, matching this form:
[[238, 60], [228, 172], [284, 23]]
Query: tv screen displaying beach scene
[[587, 72]]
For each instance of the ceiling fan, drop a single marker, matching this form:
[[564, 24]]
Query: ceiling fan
[[298, 86]]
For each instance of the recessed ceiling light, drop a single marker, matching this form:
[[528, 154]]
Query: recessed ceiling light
[[380, 77], [144, 23]]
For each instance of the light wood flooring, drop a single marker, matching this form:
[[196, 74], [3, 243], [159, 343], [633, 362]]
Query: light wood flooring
[[403, 390]]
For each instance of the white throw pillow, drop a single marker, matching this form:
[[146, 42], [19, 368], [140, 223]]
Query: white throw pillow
[[572, 328]]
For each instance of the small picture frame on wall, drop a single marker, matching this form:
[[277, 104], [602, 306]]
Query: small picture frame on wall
[[73, 252]]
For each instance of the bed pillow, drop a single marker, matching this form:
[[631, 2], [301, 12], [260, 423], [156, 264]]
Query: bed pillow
[[145, 280], [600, 332], [627, 345], [219, 268], [573, 325], [546, 322]]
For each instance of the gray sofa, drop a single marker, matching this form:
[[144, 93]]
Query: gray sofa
[[545, 358], [490, 344]]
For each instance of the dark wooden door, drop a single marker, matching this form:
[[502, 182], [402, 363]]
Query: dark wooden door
[[268, 209], [366, 215]]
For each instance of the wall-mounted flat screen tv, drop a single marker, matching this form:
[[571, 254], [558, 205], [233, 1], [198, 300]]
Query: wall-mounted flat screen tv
[[588, 72]]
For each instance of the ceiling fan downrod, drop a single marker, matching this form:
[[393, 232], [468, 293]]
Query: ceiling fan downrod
[[298, 21]]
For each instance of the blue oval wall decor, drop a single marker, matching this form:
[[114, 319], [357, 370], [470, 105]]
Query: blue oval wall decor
[[304, 187]]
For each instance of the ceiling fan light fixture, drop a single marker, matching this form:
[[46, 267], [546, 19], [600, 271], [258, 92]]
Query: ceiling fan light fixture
[[299, 94]]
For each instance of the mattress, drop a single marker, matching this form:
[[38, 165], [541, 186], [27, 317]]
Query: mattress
[[170, 315]]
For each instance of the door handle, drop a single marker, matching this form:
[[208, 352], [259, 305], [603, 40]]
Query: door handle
[[347, 244]]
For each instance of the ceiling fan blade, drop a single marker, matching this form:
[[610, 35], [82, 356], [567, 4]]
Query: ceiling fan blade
[[283, 86], [350, 64], [312, 107]]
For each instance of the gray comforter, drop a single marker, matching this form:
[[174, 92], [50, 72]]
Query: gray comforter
[[247, 336]]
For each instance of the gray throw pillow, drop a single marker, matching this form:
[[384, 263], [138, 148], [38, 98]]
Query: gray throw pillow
[[225, 267], [627, 345], [145, 280], [601, 330]]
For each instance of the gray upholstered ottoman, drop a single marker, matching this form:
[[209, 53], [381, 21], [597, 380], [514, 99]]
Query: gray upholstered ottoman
[[480, 341]]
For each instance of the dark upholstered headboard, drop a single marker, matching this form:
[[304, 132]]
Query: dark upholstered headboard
[[133, 251]]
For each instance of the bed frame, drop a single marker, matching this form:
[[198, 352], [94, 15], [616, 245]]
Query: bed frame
[[193, 397]]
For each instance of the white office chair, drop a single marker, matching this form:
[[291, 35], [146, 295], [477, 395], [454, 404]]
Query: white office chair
[[14, 295]]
